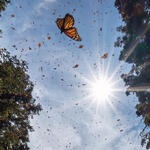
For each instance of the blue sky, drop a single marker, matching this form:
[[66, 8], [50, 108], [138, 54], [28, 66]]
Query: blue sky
[[68, 121]]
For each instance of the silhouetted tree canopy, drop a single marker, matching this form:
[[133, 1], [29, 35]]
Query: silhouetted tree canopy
[[135, 44], [3, 4], [17, 105]]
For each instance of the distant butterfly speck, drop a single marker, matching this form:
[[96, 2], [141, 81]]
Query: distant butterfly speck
[[66, 25]]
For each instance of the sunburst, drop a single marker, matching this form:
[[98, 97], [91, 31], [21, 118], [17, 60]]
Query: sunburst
[[101, 87]]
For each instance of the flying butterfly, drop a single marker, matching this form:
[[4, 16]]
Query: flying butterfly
[[66, 25], [105, 56]]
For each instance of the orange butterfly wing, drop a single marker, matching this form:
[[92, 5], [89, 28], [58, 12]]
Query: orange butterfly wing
[[72, 33], [105, 56], [69, 21], [60, 22], [66, 22], [66, 25]]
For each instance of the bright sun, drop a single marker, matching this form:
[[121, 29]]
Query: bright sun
[[102, 85], [101, 89]]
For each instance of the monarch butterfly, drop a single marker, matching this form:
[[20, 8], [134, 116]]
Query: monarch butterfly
[[66, 25], [105, 56]]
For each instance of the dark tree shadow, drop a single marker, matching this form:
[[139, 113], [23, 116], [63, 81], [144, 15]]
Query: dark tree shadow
[[135, 44]]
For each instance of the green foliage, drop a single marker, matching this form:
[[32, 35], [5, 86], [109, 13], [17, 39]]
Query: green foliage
[[16, 103], [3, 4], [135, 45]]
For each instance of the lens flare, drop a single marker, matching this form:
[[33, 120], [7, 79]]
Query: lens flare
[[101, 89]]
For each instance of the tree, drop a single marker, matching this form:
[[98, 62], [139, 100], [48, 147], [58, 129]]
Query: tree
[[16, 103], [3, 4], [135, 44]]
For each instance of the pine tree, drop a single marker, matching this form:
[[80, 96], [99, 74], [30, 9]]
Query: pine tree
[[17, 105], [3, 4], [135, 44]]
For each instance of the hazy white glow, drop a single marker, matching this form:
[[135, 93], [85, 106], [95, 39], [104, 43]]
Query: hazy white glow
[[102, 84], [101, 89]]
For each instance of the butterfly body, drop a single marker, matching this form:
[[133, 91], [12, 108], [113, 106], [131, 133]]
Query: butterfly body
[[62, 30], [66, 26]]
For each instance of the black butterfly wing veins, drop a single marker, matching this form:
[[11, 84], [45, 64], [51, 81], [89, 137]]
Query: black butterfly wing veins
[[73, 34], [60, 23], [66, 25], [69, 22]]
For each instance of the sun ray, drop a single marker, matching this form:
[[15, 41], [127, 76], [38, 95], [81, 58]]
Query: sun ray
[[131, 49], [109, 61], [139, 88], [100, 90], [112, 106]]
